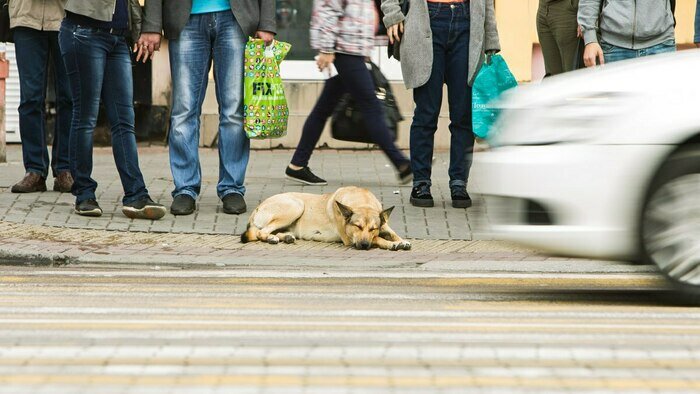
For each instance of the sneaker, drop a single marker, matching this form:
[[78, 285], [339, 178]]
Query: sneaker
[[234, 204], [182, 205], [305, 176], [144, 208], [88, 208], [63, 182], [31, 183], [460, 197], [421, 197], [405, 173]]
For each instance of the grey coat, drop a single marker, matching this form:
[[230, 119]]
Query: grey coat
[[416, 49], [171, 16]]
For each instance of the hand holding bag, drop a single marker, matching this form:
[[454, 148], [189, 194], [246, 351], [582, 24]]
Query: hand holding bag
[[265, 108], [493, 79]]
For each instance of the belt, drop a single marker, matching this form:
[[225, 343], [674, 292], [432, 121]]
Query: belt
[[114, 32]]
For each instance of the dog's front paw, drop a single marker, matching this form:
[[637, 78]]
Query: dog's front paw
[[400, 245], [289, 239], [273, 239]]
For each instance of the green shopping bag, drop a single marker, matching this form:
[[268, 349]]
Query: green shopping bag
[[493, 79], [264, 104]]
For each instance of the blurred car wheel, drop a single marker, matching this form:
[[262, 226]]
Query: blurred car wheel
[[670, 223]]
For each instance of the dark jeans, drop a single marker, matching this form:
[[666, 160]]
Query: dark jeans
[[99, 64], [35, 49], [450, 26], [556, 28], [353, 77]]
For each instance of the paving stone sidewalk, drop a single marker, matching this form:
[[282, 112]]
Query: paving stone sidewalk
[[265, 178]]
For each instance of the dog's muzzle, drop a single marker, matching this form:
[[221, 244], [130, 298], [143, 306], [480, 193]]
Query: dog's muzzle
[[363, 245]]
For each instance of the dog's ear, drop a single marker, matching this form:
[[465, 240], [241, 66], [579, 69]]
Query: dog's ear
[[344, 210], [384, 216]]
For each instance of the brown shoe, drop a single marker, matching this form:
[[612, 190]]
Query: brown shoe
[[31, 183], [63, 182]]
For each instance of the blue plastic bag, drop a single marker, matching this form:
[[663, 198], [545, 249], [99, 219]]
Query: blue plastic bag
[[493, 79]]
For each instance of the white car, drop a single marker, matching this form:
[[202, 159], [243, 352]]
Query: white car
[[603, 163]]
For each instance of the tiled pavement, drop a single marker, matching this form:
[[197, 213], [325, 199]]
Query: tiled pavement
[[265, 177]]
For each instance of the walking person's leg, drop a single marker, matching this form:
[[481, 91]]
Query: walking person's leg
[[459, 95], [234, 145], [190, 61], [357, 80], [60, 159], [32, 51], [118, 100], [428, 99], [85, 55], [298, 169]]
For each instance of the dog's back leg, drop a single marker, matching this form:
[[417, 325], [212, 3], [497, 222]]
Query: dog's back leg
[[276, 213]]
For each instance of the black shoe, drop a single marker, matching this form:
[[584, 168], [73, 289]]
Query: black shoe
[[421, 197], [88, 208], [234, 204], [405, 173], [182, 205], [460, 197], [144, 208], [304, 176]]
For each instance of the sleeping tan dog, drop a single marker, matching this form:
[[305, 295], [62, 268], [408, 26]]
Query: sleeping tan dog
[[351, 215]]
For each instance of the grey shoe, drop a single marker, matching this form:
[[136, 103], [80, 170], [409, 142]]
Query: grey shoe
[[182, 205], [234, 204]]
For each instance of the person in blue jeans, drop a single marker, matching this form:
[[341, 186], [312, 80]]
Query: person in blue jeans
[[98, 64], [614, 31], [35, 25], [441, 42], [202, 32], [343, 32]]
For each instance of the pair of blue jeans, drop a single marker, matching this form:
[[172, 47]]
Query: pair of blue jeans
[[354, 78], [208, 38], [99, 65], [35, 50], [449, 23], [614, 53]]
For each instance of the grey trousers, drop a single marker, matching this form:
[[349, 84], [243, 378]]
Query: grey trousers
[[556, 28]]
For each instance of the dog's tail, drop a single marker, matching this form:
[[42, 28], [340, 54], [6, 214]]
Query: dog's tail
[[250, 234]]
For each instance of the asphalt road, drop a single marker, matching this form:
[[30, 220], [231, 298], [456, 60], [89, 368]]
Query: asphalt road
[[78, 330]]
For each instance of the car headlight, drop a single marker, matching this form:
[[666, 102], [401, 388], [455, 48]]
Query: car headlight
[[570, 119]]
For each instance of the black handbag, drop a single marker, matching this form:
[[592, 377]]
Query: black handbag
[[5, 31], [347, 123]]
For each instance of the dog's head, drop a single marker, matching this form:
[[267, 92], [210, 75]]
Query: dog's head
[[362, 225]]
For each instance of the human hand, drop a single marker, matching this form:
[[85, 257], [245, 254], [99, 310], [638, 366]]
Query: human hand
[[146, 46], [324, 60], [265, 36], [394, 32], [579, 32], [593, 53]]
